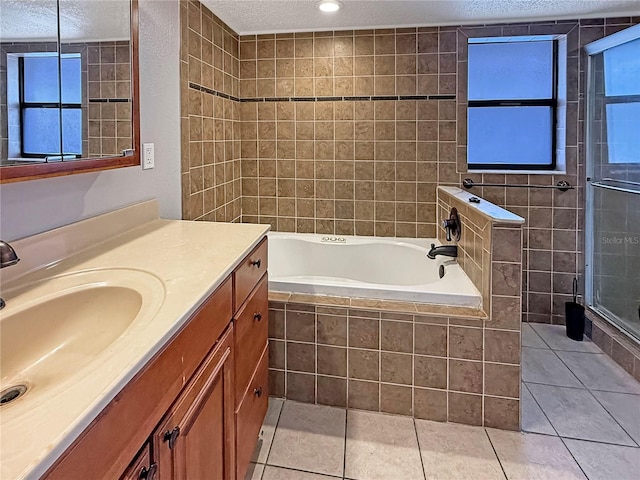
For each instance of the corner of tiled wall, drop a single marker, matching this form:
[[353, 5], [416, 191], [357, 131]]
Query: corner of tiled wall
[[210, 116]]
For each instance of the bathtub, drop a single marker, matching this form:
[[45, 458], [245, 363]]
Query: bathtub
[[367, 267]]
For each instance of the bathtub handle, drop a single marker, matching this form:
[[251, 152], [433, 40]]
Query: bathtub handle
[[256, 263], [257, 316]]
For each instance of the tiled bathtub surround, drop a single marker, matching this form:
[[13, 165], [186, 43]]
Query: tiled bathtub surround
[[446, 367], [489, 250], [210, 126], [434, 367]]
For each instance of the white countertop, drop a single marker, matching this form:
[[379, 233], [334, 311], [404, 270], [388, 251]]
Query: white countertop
[[191, 259]]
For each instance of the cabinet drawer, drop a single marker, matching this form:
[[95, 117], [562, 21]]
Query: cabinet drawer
[[249, 272], [250, 415], [251, 330]]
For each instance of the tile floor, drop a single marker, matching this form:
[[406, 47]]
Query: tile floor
[[580, 419]]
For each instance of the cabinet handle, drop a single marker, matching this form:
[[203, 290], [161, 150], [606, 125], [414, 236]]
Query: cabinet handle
[[258, 392], [172, 437], [256, 263], [257, 316], [148, 474]]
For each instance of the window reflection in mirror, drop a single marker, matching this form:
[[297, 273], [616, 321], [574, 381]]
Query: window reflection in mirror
[[65, 98]]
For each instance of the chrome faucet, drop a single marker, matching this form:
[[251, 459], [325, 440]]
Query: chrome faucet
[[8, 257], [445, 250]]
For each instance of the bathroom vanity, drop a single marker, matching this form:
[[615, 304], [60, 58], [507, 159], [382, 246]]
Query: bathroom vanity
[[182, 390]]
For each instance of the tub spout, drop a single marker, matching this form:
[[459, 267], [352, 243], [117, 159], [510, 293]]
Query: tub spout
[[446, 250]]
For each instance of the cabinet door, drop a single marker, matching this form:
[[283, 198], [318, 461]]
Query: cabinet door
[[141, 468], [196, 440]]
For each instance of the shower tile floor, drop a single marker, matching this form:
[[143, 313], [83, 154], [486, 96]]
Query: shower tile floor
[[580, 419]]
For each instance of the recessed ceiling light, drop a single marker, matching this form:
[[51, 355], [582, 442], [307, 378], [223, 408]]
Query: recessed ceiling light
[[329, 6]]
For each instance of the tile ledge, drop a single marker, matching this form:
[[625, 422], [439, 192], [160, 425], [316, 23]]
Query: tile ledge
[[378, 304], [487, 209]]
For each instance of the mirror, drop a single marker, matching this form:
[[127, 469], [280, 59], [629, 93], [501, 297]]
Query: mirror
[[68, 87]]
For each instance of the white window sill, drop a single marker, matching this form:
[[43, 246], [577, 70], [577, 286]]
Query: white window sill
[[520, 172]]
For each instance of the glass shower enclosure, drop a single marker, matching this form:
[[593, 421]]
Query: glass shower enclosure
[[612, 217]]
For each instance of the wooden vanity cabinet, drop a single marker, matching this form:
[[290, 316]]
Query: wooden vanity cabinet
[[198, 405], [196, 439]]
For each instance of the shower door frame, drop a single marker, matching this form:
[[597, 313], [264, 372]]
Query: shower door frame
[[594, 48]]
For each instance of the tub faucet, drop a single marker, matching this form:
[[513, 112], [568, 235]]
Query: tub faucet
[[446, 250], [8, 257]]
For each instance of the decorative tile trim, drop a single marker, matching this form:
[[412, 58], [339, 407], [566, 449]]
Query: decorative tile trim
[[373, 98], [211, 91], [109, 100]]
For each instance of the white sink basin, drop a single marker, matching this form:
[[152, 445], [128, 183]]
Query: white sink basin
[[57, 329]]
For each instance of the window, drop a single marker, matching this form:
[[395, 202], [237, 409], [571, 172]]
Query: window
[[622, 102], [512, 97], [50, 113]]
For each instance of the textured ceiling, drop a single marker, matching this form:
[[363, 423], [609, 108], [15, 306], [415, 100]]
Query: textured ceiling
[[80, 20], [270, 16]]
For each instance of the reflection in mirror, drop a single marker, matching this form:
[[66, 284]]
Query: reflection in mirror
[[72, 105], [29, 46]]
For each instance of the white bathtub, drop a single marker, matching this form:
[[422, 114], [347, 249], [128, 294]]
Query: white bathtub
[[367, 267]]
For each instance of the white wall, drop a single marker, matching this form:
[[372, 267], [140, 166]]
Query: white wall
[[31, 207]]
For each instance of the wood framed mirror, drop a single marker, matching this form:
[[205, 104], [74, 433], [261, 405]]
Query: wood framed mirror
[[69, 87]]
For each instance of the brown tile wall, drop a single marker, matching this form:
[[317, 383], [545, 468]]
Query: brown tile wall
[[620, 347], [108, 78], [370, 167], [347, 163], [210, 123], [441, 368]]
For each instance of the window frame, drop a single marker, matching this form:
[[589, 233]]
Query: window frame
[[42, 105], [551, 102]]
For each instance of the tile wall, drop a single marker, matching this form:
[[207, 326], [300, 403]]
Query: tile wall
[[210, 126], [109, 96], [349, 132], [434, 367], [360, 132]]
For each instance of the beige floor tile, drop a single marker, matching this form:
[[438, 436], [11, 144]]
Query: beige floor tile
[[599, 372], [556, 337], [530, 338], [268, 430], [527, 456], [381, 447], [455, 452], [576, 413], [275, 473], [606, 462], [533, 419], [255, 471], [543, 366], [625, 409], [310, 438]]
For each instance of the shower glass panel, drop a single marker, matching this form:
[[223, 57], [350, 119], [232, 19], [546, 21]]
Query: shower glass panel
[[613, 186]]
